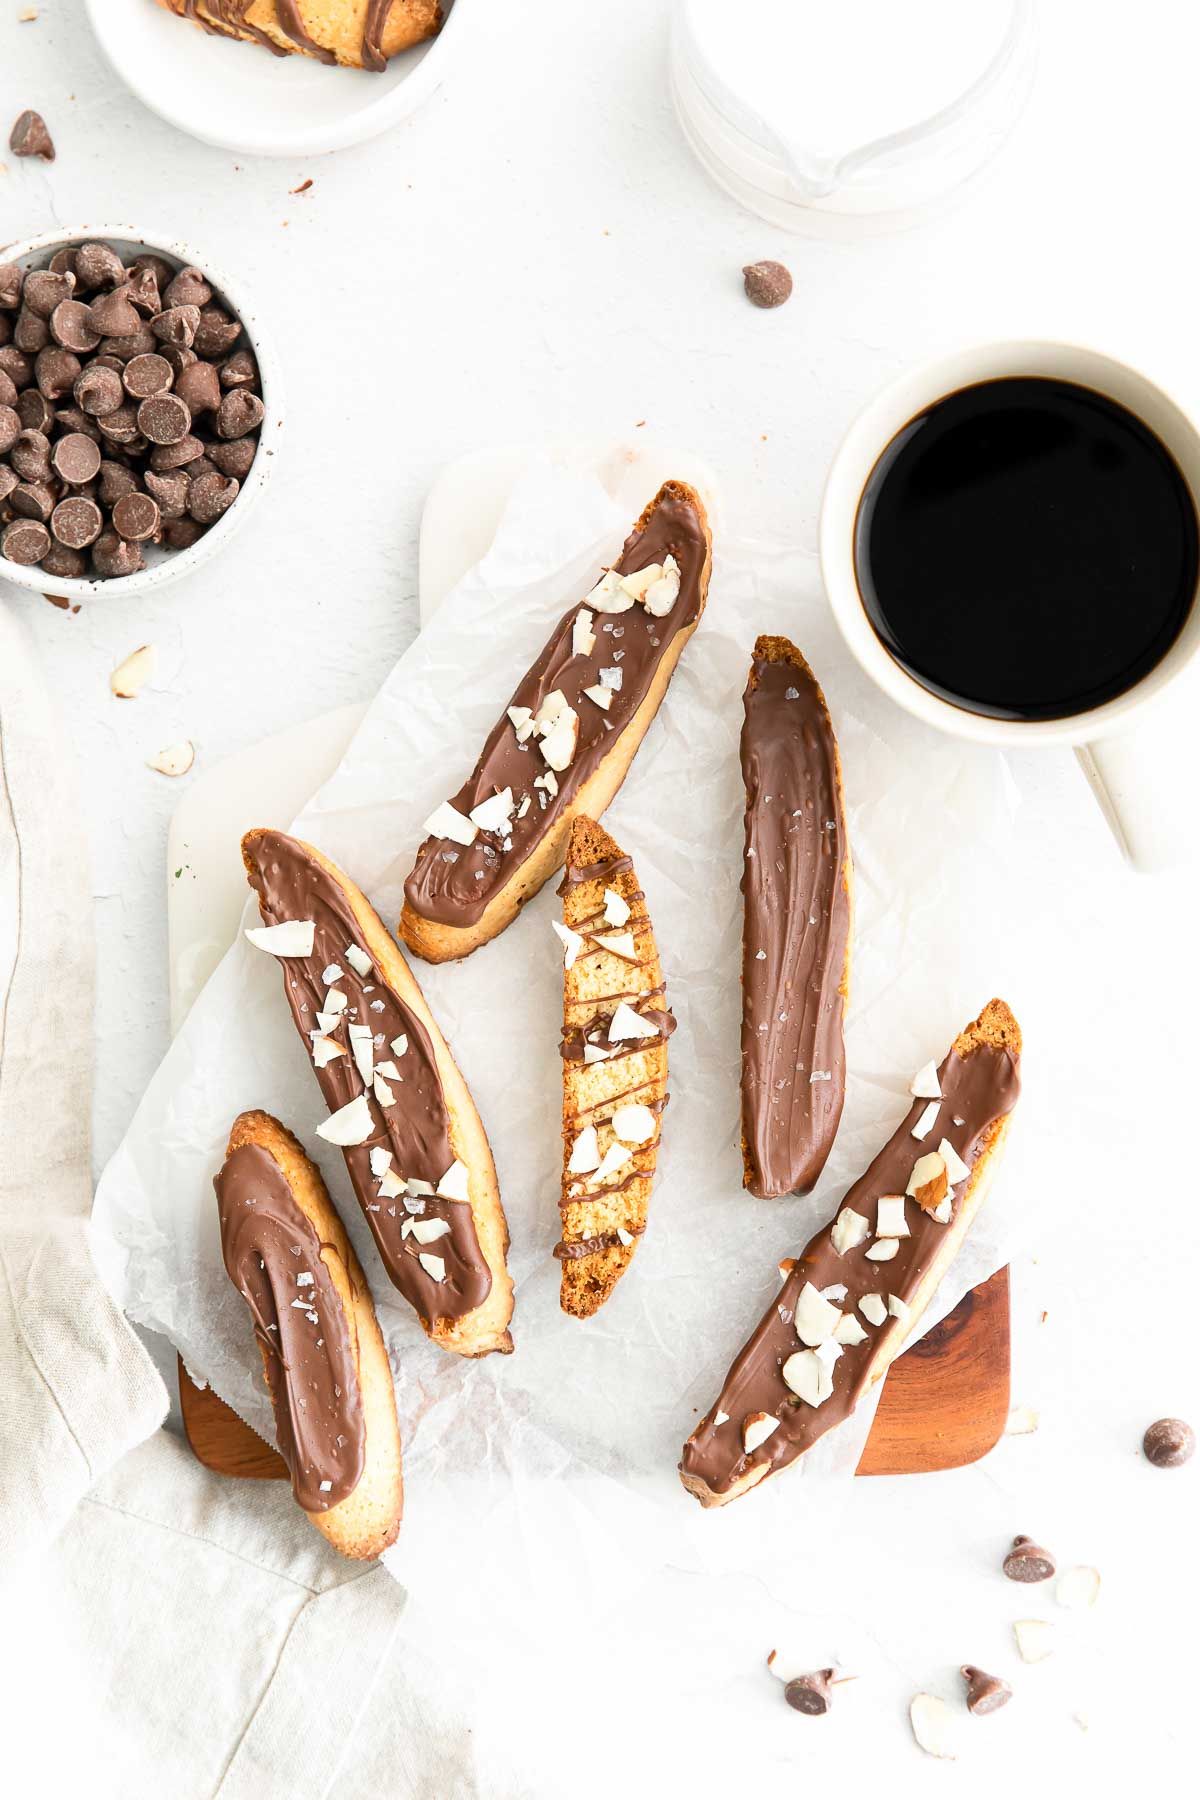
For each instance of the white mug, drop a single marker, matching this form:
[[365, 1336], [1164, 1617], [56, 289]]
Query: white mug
[[1116, 763]]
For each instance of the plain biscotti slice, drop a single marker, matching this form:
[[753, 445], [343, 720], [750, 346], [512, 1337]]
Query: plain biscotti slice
[[324, 1362], [614, 1087], [564, 744], [851, 1300]]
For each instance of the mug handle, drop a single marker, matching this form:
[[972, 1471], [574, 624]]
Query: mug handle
[[1127, 778]]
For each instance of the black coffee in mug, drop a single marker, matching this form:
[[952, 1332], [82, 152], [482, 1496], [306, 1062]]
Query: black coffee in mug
[[1026, 548]]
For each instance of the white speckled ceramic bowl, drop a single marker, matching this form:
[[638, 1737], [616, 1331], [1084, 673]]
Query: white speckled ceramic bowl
[[163, 565], [240, 97]]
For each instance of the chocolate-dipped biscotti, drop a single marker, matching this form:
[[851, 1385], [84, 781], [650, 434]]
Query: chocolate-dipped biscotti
[[360, 34], [850, 1301], [797, 894], [564, 745], [415, 1150], [614, 1046], [287, 1253]]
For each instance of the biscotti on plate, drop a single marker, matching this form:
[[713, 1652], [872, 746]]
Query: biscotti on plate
[[564, 744], [850, 1301], [614, 1044], [360, 34], [326, 1369], [415, 1149]]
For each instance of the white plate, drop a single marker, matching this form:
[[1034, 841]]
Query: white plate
[[240, 97]]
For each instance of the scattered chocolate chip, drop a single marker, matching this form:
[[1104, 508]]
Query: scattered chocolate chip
[[216, 332], [65, 565], [1169, 1443], [240, 411], [30, 456], [200, 386], [35, 411], [234, 458], [188, 288], [31, 332], [170, 490], [164, 419], [98, 391], [113, 555], [114, 315], [116, 481], [71, 326], [25, 541], [239, 370], [44, 290], [29, 137], [146, 375], [33, 500], [211, 495], [76, 522], [56, 371], [76, 458], [96, 266], [12, 280], [177, 325], [985, 1693], [174, 456], [767, 283], [811, 1694], [10, 428], [1027, 1561]]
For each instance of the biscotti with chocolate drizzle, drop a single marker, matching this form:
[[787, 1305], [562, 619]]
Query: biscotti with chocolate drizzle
[[797, 900], [416, 1153], [286, 1251], [850, 1301], [359, 34], [564, 744], [614, 1044]]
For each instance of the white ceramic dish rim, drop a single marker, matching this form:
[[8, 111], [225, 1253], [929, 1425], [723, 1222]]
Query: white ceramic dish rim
[[867, 438], [399, 100], [182, 562]]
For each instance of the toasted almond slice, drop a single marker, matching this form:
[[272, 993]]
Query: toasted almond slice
[[883, 1249], [614, 1158], [848, 1230], [434, 1266], [634, 1124], [638, 584], [382, 1091], [324, 1050], [327, 1022], [609, 595], [380, 1160], [617, 943], [455, 1183], [291, 937], [626, 1237], [362, 1049], [849, 1331], [927, 1120], [836, 1292], [445, 821], [616, 910], [176, 759], [428, 1231], [551, 709], [359, 961], [890, 1221], [1078, 1587], [558, 745], [494, 813], [602, 696], [662, 594], [756, 1429], [898, 1308], [391, 1185], [400, 1045], [130, 676], [333, 973], [934, 1726], [816, 1318], [351, 1124], [583, 638], [956, 1168], [873, 1309], [810, 1379], [585, 1153], [929, 1183], [522, 722], [625, 1024], [1021, 1421], [925, 1084], [389, 1071], [572, 943], [1035, 1639], [335, 1001]]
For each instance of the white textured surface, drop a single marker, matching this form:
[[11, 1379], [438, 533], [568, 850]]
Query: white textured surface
[[532, 255]]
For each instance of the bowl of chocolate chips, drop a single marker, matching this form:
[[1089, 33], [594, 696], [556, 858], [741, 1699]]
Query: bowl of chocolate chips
[[139, 411]]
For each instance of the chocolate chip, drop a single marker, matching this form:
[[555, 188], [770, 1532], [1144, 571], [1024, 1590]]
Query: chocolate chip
[[1027, 1561], [76, 522], [199, 385], [45, 290], [67, 565], [113, 555], [210, 496], [179, 357], [164, 419], [63, 261], [6, 329], [767, 283], [29, 137], [73, 418], [33, 500], [171, 492], [216, 332], [31, 332], [142, 289], [177, 325], [1169, 1443], [76, 458], [146, 375], [25, 541], [203, 465], [811, 1694], [985, 1693], [116, 481], [10, 428], [234, 458], [71, 326], [8, 390], [137, 343], [98, 391], [56, 371], [8, 481], [120, 426], [240, 412], [16, 365], [96, 266], [35, 410], [239, 370], [181, 534], [136, 517], [12, 280], [158, 266], [174, 456], [114, 314], [188, 288], [30, 456]]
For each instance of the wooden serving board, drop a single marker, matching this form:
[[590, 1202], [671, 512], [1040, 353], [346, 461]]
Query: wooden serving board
[[945, 1401]]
